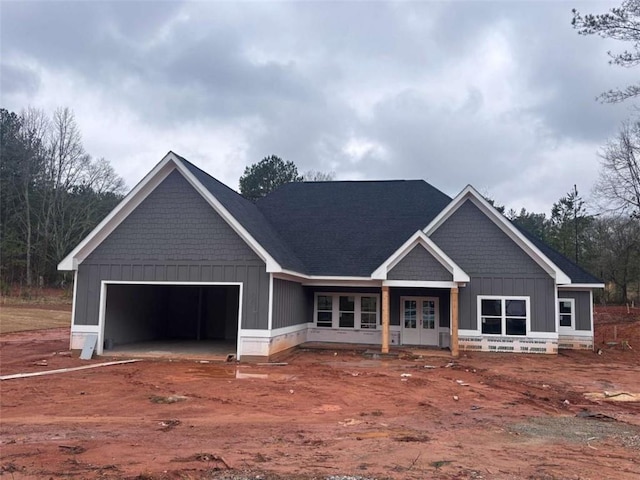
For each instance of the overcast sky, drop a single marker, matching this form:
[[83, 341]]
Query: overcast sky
[[500, 95]]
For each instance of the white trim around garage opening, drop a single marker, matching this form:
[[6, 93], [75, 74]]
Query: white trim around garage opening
[[103, 304]]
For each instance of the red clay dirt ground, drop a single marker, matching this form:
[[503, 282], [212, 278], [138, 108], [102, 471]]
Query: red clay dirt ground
[[326, 414]]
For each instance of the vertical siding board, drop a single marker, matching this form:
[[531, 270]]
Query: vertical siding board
[[93, 292], [263, 320], [116, 272], [207, 273], [194, 273], [137, 273], [250, 301], [218, 273], [149, 273], [160, 271], [82, 295], [466, 321], [172, 273], [229, 272], [183, 273]]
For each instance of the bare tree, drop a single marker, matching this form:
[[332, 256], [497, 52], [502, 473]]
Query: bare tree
[[619, 183], [35, 128]]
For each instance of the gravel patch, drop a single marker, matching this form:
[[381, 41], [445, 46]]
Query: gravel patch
[[579, 430]]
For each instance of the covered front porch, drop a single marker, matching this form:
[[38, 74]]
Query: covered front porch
[[424, 316], [397, 314]]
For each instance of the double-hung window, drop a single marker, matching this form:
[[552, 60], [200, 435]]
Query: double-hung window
[[368, 312], [324, 311], [347, 311], [503, 315], [567, 309]]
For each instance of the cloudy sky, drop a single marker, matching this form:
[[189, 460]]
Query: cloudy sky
[[496, 94]]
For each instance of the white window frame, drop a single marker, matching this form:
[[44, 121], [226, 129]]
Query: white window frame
[[335, 317], [503, 323], [573, 315]]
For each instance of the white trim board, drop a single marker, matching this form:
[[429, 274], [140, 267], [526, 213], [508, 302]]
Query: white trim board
[[581, 286], [419, 284], [471, 194]]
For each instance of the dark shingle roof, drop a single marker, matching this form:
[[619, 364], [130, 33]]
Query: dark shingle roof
[[249, 217], [350, 228], [345, 228], [576, 273]]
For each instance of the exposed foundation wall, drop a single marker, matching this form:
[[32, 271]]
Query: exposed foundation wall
[[576, 342], [508, 344], [259, 345]]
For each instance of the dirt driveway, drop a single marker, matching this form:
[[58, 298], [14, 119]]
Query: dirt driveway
[[327, 414]]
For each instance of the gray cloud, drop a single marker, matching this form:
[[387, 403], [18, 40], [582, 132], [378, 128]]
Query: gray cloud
[[490, 93]]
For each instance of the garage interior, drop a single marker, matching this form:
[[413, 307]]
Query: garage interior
[[199, 321]]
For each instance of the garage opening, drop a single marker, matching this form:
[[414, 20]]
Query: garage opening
[[162, 319]]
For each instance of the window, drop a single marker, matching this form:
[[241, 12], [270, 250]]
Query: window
[[348, 311], [504, 315], [324, 315], [368, 312], [567, 312]]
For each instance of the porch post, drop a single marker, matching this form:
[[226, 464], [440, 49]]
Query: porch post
[[454, 322], [385, 319]]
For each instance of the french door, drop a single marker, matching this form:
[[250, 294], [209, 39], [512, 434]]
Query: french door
[[419, 320]]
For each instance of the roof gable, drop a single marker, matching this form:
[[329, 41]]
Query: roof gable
[[470, 194], [420, 241], [173, 223], [140, 192]]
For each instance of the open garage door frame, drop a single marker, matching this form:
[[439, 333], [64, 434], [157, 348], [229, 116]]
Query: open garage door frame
[[103, 302]]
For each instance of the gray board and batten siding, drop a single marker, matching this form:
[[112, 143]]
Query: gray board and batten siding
[[290, 304], [583, 307], [419, 264], [496, 266], [174, 235]]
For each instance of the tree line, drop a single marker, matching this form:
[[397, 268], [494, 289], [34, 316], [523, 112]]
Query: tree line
[[605, 244], [52, 193]]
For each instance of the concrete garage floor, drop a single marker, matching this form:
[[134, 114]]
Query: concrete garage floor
[[212, 350]]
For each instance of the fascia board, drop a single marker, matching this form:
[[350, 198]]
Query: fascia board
[[582, 286]]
